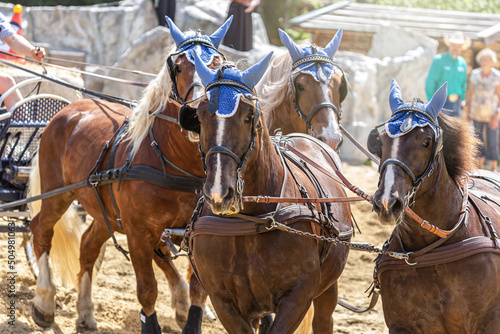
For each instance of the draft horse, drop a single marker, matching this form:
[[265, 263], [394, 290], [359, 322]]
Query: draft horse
[[247, 266], [449, 283], [302, 91], [146, 179]]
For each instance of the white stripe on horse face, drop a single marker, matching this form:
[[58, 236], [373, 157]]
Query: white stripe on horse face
[[389, 176], [217, 186], [197, 90], [333, 126]]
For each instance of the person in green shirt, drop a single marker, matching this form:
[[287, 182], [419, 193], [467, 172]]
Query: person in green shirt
[[450, 67]]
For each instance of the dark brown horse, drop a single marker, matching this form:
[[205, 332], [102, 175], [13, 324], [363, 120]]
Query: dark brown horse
[[302, 90], [246, 265], [450, 284], [160, 194]]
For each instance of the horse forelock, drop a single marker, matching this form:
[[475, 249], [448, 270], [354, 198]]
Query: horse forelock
[[154, 99], [273, 85]]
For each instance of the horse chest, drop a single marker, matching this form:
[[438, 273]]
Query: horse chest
[[440, 299]]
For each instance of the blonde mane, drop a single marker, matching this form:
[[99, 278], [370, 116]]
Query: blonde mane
[[154, 100], [273, 86]]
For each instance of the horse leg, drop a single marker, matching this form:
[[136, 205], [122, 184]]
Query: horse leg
[[324, 305], [141, 254], [178, 287], [42, 228], [232, 320], [291, 309], [92, 240], [198, 297]]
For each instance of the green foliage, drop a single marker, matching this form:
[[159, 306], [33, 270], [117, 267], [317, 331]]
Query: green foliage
[[297, 35], [59, 2]]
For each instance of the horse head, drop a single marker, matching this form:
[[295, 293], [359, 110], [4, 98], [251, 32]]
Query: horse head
[[186, 86], [408, 149], [229, 122], [318, 86]]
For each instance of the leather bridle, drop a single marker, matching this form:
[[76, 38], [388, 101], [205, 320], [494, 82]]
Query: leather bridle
[[437, 147], [312, 60]]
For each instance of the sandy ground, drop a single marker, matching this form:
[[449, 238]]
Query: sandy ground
[[114, 291]]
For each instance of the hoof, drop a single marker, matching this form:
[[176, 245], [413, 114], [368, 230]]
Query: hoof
[[41, 319], [193, 324]]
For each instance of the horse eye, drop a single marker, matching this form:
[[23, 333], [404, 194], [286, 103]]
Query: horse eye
[[426, 144], [299, 87], [248, 119], [177, 69]]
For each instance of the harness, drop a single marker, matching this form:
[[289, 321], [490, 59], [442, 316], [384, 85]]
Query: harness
[[435, 253], [110, 175], [241, 224], [313, 60]]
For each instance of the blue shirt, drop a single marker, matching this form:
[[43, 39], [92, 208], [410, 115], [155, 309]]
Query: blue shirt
[[445, 68], [5, 27]]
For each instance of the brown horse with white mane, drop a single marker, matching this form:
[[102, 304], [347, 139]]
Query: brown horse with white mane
[[146, 179], [302, 91], [448, 283], [248, 267]]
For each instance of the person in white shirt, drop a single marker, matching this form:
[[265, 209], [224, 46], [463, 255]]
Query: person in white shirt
[[21, 46]]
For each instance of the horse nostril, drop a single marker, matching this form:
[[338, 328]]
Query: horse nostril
[[396, 205], [229, 195], [323, 139]]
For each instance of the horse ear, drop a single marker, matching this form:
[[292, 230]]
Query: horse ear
[[177, 35], [438, 100], [395, 96], [219, 34], [206, 75], [252, 76], [333, 46], [295, 52], [374, 144]]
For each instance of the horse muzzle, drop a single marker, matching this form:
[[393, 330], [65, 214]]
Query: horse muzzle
[[388, 208]]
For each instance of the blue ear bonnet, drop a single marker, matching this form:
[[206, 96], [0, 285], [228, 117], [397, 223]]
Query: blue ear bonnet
[[409, 116], [207, 52], [321, 72], [224, 99]]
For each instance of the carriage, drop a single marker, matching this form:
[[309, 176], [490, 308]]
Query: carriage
[[21, 128]]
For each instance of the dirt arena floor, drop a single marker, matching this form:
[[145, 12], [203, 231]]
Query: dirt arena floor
[[114, 291]]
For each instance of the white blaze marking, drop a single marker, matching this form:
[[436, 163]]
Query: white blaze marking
[[332, 123], [217, 186], [389, 175]]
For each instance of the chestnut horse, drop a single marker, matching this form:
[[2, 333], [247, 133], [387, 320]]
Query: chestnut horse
[[448, 284], [161, 194], [302, 90], [247, 266]]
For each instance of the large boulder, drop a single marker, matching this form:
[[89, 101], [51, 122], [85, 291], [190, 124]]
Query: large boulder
[[103, 32]]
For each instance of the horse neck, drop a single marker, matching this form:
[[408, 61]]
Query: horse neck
[[175, 144], [264, 174], [439, 201]]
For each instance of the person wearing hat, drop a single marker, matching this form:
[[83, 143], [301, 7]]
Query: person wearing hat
[[450, 67], [483, 96], [23, 47]]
